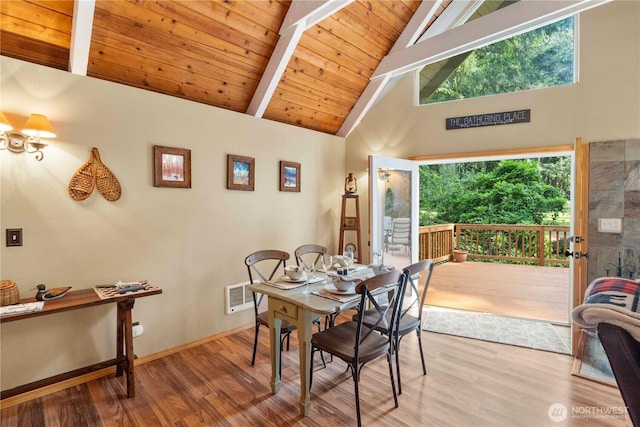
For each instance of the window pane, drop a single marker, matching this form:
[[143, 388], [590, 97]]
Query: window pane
[[537, 59]]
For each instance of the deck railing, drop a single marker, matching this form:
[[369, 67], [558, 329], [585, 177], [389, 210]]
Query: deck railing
[[534, 244]]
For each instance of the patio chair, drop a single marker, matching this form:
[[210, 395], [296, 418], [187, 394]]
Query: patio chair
[[356, 343], [400, 234]]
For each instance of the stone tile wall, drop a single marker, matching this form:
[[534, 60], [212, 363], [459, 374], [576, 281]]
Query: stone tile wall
[[614, 192]]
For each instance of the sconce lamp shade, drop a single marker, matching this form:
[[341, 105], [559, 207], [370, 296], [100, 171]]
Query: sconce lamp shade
[[38, 124], [5, 126]]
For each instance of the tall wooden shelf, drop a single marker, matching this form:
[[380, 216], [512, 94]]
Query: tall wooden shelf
[[350, 223]]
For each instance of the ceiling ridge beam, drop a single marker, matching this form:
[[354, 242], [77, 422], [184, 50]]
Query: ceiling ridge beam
[[309, 12], [301, 16], [457, 13], [81, 29], [518, 18], [409, 35]]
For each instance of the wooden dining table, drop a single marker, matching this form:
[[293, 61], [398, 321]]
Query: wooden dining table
[[302, 309]]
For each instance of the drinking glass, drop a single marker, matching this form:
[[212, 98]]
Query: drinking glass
[[327, 262], [308, 269], [377, 258], [348, 258]]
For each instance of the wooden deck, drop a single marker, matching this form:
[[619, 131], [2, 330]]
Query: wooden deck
[[531, 292]]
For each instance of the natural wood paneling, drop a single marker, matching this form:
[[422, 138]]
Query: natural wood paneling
[[216, 51], [337, 56], [36, 31], [35, 51], [211, 52], [49, 22]]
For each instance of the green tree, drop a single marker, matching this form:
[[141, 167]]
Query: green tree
[[505, 192], [536, 59]]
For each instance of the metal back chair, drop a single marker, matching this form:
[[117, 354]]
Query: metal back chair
[[264, 266], [309, 253], [357, 343], [409, 320], [410, 317]]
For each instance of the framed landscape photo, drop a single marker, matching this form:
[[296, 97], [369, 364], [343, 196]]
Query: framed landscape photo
[[240, 173], [289, 176], [171, 167]]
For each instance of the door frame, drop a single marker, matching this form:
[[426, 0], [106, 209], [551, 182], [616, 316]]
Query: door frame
[[578, 184], [376, 204], [579, 227]]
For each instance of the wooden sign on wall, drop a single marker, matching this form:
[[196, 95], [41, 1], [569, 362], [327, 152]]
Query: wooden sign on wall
[[491, 119]]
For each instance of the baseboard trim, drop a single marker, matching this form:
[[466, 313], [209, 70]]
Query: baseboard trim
[[43, 391]]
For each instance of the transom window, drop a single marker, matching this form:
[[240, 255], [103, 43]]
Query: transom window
[[537, 59]]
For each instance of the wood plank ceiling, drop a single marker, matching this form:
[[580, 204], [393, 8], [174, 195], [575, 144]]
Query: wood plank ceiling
[[231, 54], [215, 52]]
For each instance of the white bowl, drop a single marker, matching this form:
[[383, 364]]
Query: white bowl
[[341, 261], [341, 285], [294, 272]]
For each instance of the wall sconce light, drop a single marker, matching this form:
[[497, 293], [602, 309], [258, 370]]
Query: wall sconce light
[[37, 127], [383, 174]]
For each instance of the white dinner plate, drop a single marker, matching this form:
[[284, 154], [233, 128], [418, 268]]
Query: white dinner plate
[[290, 280], [334, 290]]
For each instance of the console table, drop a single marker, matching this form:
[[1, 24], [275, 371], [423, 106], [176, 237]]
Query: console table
[[84, 298]]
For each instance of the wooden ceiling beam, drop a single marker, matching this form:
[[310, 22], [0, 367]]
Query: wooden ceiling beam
[[456, 14], [81, 28], [301, 16], [308, 13]]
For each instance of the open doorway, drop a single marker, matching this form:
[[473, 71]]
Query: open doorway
[[512, 286], [512, 218]]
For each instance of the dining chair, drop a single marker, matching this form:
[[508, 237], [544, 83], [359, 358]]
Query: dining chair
[[264, 266], [410, 316], [313, 253], [316, 252], [356, 343]]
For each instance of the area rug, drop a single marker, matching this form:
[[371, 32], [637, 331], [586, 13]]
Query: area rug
[[593, 364], [500, 329]]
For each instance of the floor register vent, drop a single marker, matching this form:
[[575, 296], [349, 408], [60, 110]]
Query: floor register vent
[[238, 297]]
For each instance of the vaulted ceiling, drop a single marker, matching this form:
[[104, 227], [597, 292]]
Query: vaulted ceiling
[[317, 64]]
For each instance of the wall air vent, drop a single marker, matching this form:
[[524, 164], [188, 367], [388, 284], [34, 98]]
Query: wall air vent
[[238, 297]]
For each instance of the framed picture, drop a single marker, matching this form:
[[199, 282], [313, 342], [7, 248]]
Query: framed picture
[[240, 172], [172, 167], [289, 176]]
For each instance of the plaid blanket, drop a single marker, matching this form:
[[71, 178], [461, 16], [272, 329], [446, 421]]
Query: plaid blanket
[[613, 300]]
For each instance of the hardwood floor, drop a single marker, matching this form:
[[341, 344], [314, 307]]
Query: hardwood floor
[[469, 383]]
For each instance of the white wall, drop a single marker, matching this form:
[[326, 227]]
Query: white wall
[[604, 105], [191, 242]]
